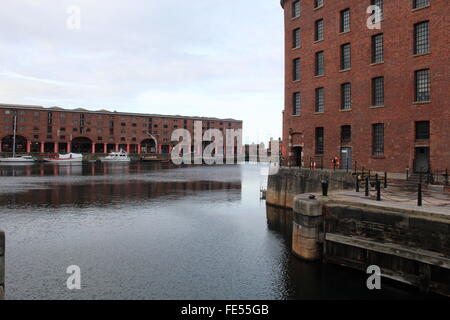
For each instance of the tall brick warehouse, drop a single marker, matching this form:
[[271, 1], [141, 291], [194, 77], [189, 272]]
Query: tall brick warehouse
[[379, 97], [58, 130]]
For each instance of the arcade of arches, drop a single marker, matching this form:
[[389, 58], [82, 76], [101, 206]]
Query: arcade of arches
[[81, 145]]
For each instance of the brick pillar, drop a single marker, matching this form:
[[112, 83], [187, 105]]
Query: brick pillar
[[128, 148], [28, 147], [160, 149], [139, 148], [42, 147], [117, 147], [93, 147], [105, 148], [55, 147], [69, 147]]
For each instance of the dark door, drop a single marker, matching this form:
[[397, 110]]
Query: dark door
[[346, 157], [422, 159], [297, 156]]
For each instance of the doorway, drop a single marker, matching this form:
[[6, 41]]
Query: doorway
[[422, 159], [346, 158], [297, 156]]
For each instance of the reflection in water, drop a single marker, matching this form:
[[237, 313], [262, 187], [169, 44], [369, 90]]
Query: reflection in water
[[314, 280], [153, 231]]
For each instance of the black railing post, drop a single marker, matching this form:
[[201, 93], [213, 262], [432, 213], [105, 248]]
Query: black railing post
[[324, 188], [357, 183], [367, 187], [347, 165], [385, 180], [407, 173], [378, 184], [419, 195]]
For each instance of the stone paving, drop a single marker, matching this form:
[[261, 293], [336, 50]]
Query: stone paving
[[432, 202]]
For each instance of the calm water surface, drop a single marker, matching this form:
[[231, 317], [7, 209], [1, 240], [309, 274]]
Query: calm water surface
[[152, 231]]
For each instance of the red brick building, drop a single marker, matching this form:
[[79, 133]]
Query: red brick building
[[376, 96], [57, 130]]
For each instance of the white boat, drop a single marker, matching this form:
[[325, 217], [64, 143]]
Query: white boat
[[18, 159], [120, 156], [14, 158], [66, 158]]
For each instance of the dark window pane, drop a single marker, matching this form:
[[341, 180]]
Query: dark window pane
[[346, 133], [421, 41], [378, 139], [296, 71], [420, 3], [319, 30], [296, 104], [318, 3], [319, 64], [346, 94], [377, 48], [378, 3], [378, 91], [295, 9], [422, 130], [320, 100], [296, 38], [345, 20], [422, 84], [345, 56], [319, 140]]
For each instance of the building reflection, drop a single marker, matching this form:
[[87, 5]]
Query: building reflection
[[102, 185]]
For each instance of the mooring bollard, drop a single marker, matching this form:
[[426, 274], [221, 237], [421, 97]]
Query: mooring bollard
[[367, 187], [2, 265], [378, 184], [325, 188], [419, 195]]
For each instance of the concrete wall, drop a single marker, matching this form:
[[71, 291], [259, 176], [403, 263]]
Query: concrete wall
[[411, 248], [2, 265], [289, 182]]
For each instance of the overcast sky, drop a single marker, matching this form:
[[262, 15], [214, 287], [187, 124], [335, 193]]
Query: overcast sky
[[218, 58]]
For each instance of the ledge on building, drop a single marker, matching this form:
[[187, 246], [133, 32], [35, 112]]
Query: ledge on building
[[421, 8], [421, 54], [376, 63], [421, 102], [345, 110], [345, 70], [377, 107]]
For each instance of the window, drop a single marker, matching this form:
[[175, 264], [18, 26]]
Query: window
[[379, 4], [422, 85], [320, 100], [346, 96], [296, 104], [420, 4], [378, 91], [319, 140], [377, 48], [318, 3], [320, 70], [345, 20], [99, 138], [318, 30], [296, 71], [378, 139], [296, 38], [421, 41], [422, 130], [346, 133], [345, 56], [296, 9]]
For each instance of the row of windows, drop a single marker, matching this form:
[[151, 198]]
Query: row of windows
[[421, 46], [422, 93], [296, 6], [422, 132]]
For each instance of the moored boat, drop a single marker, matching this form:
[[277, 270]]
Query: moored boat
[[120, 156], [18, 159], [66, 158]]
